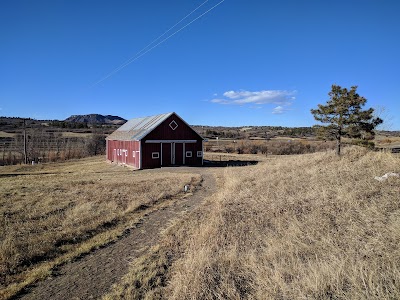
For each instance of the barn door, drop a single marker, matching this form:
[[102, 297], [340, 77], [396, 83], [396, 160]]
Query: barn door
[[178, 153], [166, 154]]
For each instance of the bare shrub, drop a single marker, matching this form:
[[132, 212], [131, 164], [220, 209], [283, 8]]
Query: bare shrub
[[95, 145], [229, 149], [274, 147]]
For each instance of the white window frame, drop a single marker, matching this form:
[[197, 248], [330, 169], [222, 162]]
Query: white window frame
[[133, 153], [155, 155], [188, 153], [199, 153], [126, 153]]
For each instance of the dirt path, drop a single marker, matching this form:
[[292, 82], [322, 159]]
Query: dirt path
[[93, 275]]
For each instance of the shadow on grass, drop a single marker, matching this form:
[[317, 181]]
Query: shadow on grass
[[229, 163]]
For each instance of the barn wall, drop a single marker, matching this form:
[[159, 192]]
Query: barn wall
[[148, 161], [164, 131], [180, 154], [124, 152], [194, 160]]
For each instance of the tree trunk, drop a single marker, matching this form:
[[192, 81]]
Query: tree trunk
[[338, 145]]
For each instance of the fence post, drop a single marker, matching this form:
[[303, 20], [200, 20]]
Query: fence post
[[25, 142]]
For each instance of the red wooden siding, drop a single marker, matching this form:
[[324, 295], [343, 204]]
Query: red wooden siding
[[164, 131], [147, 159], [165, 158], [194, 148], [124, 152]]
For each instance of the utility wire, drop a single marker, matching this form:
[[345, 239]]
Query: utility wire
[[141, 53], [155, 40], [162, 34]]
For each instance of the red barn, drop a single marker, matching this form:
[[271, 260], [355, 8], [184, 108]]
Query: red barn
[[155, 141]]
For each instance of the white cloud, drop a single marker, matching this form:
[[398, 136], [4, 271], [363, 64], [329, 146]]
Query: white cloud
[[278, 110], [279, 97], [220, 101], [282, 98]]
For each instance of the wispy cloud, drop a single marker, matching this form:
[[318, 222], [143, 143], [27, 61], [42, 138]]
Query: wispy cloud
[[279, 110], [282, 98]]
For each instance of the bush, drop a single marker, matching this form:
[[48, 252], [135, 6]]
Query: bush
[[364, 143]]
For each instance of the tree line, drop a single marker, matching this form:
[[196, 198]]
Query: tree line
[[39, 145]]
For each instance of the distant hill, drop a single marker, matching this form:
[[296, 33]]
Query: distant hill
[[96, 119]]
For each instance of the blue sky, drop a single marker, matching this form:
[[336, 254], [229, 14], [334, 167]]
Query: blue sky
[[241, 63]]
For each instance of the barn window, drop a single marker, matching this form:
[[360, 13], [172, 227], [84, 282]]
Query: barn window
[[188, 153], [173, 125], [199, 153], [133, 153], [155, 155], [126, 153]]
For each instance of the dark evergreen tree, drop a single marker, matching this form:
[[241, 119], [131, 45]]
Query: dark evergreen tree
[[344, 115]]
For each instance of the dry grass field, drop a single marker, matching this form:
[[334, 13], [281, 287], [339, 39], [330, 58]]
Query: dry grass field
[[387, 141], [6, 134], [295, 227], [274, 146], [52, 213], [69, 134]]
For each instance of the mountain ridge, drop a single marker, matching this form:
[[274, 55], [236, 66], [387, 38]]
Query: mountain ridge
[[96, 119]]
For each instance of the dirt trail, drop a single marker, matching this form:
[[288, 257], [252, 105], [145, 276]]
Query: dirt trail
[[94, 274]]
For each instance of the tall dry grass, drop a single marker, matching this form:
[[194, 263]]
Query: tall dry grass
[[53, 212], [299, 227], [309, 227]]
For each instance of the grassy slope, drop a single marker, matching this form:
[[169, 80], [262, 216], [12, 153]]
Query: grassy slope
[[311, 226], [51, 213]]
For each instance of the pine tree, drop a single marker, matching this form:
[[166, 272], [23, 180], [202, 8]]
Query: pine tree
[[344, 115]]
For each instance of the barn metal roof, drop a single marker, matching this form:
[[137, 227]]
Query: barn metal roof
[[138, 128]]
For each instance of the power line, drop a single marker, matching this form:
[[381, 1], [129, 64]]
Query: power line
[[141, 53], [176, 24], [138, 53]]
